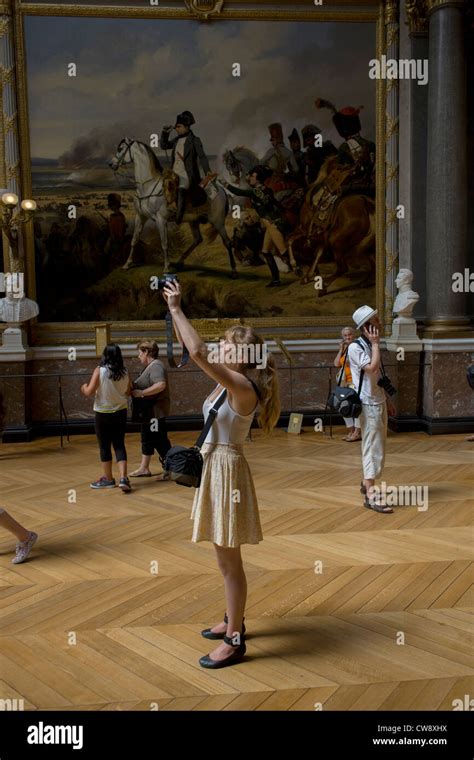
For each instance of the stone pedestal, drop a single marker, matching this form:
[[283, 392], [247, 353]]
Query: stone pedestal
[[14, 345], [404, 335]]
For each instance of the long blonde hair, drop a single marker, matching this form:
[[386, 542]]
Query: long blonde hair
[[266, 377]]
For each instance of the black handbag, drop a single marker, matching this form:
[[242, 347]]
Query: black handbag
[[470, 376], [346, 401], [184, 465]]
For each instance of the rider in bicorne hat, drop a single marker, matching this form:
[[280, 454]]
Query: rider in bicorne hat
[[187, 153]]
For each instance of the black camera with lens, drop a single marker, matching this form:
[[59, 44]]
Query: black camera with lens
[[162, 281], [385, 383]]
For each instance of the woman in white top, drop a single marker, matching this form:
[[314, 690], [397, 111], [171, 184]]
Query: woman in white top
[[225, 509], [111, 385]]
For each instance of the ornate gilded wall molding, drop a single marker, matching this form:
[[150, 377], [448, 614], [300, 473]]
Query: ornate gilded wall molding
[[417, 16], [392, 29], [391, 12], [202, 9]]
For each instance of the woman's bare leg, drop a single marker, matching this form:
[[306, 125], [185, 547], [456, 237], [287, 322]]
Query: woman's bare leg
[[235, 583], [144, 466], [7, 522]]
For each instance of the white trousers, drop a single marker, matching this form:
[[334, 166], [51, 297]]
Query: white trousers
[[373, 427]]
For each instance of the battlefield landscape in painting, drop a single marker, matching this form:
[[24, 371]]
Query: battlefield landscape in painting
[[239, 155]]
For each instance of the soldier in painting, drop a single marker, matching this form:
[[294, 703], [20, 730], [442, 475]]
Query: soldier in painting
[[187, 154]]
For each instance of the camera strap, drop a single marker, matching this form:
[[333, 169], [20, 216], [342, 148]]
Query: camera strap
[[169, 344], [364, 343]]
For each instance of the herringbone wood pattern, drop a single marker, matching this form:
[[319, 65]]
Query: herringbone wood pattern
[[332, 637]]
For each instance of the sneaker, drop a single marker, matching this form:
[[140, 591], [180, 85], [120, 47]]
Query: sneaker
[[125, 485], [103, 483], [23, 548]]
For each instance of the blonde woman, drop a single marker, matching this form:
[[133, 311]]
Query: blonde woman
[[225, 509]]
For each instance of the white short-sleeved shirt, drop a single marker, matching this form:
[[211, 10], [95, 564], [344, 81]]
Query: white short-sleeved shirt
[[111, 395], [370, 392]]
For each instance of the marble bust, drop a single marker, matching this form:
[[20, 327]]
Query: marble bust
[[17, 310], [406, 298]]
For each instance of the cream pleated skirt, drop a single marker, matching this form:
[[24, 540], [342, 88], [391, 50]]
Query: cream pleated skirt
[[225, 508]]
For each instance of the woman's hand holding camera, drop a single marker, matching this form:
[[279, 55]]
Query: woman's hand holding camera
[[172, 295]]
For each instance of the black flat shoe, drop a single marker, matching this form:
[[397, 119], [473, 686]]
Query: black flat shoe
[[236, 656], [209, 634]]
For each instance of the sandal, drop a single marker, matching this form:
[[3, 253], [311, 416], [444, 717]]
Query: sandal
[[140, 474], [377, 507]]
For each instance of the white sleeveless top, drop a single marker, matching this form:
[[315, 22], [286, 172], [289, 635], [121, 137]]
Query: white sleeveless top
[[111, 395], [229, 427]]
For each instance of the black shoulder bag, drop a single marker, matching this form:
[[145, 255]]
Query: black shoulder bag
[[346, 401], [183, 464]]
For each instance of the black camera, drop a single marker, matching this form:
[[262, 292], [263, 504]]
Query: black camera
[[161, 281], [385, 383]]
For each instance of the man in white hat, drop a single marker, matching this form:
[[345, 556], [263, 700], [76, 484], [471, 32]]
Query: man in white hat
[[364, 356]]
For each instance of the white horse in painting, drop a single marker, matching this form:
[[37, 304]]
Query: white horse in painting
[[151, 202]]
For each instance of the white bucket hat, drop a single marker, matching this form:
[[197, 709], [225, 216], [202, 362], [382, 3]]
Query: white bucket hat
[[362, 315]]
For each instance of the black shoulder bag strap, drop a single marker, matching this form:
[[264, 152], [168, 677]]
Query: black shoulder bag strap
[[341, 371], [210, 418], [169, 344], [361, 376]]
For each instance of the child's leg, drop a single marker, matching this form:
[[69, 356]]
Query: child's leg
[[7, 522]]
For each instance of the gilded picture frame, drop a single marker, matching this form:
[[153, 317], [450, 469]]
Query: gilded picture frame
[[281, 327]]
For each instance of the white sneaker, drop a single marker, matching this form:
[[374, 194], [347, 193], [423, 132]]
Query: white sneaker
[[23, 549]]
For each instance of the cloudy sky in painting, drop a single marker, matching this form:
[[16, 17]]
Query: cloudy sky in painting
[[135, 75]]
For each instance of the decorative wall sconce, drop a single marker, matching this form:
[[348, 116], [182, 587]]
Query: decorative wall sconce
[[11, 218]]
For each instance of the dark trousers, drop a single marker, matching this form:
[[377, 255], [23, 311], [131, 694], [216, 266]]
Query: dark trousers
[[110, 431], [155, 440]]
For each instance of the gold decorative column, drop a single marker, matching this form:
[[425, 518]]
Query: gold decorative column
[[9, 144], [391, 50]]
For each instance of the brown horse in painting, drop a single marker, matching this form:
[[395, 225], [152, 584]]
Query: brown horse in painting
[[350, 233]]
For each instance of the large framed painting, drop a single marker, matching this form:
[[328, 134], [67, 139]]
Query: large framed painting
[[243, 155]]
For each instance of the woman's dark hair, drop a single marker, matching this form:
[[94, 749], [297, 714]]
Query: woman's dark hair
[[112, 359]]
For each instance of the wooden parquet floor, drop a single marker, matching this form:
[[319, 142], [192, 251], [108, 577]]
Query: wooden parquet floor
[[383, 623]]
